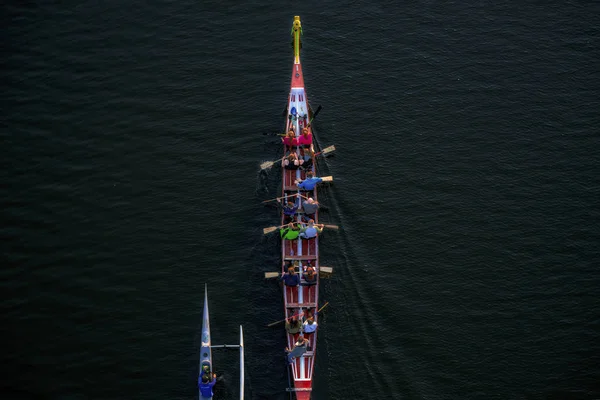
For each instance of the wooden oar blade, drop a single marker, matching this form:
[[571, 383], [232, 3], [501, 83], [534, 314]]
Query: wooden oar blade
[[269, 275], [266, 164], [269, 229], [328, 150], [334, 227], [325, 271], [327, 178]]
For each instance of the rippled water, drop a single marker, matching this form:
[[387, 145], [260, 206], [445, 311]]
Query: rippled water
[[466, 186]]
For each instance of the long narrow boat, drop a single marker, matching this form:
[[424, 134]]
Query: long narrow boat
[[206, 348], [301, 252]]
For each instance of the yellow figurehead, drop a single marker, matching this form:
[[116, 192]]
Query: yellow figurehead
[[296, 32]]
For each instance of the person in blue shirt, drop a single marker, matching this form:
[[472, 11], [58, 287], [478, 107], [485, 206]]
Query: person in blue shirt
[[311, 230], [206, 385], [290, 278], [309, 183]]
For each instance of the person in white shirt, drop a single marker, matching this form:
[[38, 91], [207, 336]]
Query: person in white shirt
[[309, 326]]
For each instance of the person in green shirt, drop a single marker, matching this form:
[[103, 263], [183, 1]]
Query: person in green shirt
[[289, 231], [293, 325]]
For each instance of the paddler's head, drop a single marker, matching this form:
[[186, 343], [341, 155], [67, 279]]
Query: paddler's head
[[305, 131]]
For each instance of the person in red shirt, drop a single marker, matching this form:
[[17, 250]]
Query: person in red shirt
[[290, 141], [306, 138]]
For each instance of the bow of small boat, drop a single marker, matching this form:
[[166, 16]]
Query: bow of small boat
[[205, 351]]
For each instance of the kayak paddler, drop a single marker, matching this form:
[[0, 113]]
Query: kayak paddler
[[205, 385]]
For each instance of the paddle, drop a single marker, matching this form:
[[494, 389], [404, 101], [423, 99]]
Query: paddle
[[269, 164], [296, 315], [271, 229], [314, 115], [274, 228], [326, 150], [334, 227], [279, 198]]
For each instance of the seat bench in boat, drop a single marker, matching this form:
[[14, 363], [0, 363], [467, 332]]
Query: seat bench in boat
[[298, 305], [306, 257]]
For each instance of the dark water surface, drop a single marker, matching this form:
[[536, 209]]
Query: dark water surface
[[466, 185]]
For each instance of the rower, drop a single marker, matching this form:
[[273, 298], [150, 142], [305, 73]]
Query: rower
[[311, 230], [309, 183], [309, 326], [290, 278], [307, 156], [293, 325], [305, 140], [292, 161], [290, 209], [290, 141], [310, 207], [310, 276], [298, 350], [289, 232]]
